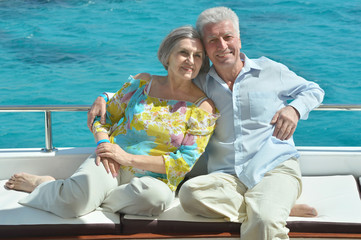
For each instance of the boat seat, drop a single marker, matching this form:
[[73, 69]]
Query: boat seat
[[337, 199], [20, 221]]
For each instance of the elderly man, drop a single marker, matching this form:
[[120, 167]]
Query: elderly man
[[254, 175]]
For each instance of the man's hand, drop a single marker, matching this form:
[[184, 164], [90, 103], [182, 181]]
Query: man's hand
[[285, 121], [98, 108]]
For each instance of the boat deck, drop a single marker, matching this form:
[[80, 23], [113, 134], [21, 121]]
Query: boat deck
[[334, 191], [331, 183]]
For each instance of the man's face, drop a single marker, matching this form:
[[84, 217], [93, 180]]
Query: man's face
[[222, 44]]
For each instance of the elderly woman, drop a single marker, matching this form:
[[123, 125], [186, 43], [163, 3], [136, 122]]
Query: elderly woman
[[155, 131]]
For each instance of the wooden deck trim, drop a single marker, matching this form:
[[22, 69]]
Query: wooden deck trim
[[185, 236]]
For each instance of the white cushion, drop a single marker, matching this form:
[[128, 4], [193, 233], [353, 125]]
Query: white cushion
[[336, 199], [12, 213]]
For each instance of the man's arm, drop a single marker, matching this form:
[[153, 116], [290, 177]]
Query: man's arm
[[285, 121], [306, 96], [98, 108]]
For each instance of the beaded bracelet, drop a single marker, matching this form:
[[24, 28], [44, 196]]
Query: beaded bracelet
[[102, 141]]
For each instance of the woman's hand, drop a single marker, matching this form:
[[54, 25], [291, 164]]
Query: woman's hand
[[109, 165], [112, 156]]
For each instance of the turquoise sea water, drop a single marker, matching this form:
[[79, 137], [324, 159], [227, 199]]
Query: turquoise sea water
[[67, 52]]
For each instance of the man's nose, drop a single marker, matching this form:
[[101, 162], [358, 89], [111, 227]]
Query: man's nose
[[222, 44]]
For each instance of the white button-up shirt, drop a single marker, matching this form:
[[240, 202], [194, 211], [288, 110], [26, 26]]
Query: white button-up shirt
[[242, 143]]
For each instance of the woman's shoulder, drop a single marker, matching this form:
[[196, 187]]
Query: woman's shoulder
[[131, 85], [207, 105], [143, 76], [136, 82], [204, 116], [203, 101]]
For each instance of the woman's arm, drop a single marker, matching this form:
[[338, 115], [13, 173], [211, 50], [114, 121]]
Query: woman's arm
[[174, 164], [115, 108], [110, 165], [116, 153]]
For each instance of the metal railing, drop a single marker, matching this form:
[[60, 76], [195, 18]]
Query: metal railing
[[48, 109], [339, 107]]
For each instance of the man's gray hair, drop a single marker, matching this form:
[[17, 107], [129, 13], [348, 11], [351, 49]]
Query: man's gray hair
[[173, 38], [216, 15]]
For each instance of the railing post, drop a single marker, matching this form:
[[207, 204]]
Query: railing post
[[48, 133]]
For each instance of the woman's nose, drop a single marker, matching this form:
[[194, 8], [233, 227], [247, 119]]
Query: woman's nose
[[190, 58]]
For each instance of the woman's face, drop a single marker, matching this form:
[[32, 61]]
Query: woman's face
[[186, 59]]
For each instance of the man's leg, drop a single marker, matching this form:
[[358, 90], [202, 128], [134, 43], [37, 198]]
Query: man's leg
[[269, 203], [216, 195]]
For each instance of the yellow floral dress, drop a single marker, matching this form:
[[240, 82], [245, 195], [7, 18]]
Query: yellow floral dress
[[144, 125]]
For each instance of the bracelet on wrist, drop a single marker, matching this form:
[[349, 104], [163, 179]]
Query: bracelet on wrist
[[105, 96], [103, 141]]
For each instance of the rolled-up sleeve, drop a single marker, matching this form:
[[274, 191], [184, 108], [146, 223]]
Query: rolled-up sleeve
[[306, 95]]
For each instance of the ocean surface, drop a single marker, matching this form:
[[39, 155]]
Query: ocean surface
[[68, 52]]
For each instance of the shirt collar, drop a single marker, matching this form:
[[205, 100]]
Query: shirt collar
[[249, 65]]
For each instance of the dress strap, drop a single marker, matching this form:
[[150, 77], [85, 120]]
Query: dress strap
[[200, 100], [149, 84]]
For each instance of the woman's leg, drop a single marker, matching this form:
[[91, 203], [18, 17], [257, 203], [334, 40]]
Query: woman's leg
[[80, 194], [26, 182], [146, 196]]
